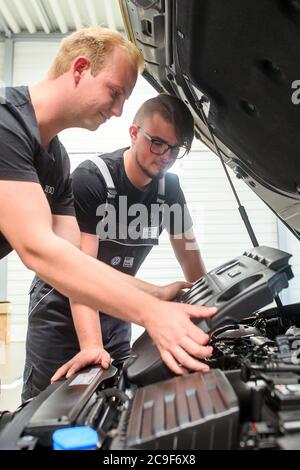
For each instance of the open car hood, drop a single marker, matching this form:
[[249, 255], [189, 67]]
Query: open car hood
[[244, 57]]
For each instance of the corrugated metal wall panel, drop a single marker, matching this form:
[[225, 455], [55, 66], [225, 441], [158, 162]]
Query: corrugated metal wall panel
[[293, 293], [32, 60], [1, 61], [292, 245]]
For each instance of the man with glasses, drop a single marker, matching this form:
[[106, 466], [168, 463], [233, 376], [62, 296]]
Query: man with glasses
[[123, 201]]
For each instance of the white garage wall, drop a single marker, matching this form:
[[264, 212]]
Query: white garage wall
[[292, 245], [32, 60], [1, 60], [219, 229]]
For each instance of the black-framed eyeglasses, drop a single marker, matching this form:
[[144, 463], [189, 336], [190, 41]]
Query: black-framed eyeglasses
[[159, 147]]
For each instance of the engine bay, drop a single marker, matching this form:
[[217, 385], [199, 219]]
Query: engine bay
[[250, 398]]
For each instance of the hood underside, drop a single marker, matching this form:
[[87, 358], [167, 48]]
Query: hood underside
[[244, 57]]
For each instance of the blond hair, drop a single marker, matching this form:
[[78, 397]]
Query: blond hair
[[95, 43]]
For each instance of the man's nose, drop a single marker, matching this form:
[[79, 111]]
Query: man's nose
[[168, 156], [118, 107]]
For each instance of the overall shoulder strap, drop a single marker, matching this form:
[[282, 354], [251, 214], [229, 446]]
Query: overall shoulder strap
[[161, 192], [104, 170]]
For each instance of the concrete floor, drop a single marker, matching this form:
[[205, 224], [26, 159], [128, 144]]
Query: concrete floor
[[12, 357]]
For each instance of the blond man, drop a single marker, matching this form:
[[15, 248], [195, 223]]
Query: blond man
[[92, 75]]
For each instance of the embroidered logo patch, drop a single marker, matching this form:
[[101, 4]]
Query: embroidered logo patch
[[116, 260], [128, 262]]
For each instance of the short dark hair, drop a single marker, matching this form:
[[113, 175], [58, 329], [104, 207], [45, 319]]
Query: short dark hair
[[174, 111]]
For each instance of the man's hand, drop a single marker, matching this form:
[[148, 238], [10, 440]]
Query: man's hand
[[180, 342], [84, 358], [171, 291]]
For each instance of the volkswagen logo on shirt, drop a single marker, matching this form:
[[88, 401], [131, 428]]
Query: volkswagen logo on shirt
[[116, 260]]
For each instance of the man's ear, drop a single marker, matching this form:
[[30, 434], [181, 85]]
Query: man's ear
[[80, 66], [133, 132]]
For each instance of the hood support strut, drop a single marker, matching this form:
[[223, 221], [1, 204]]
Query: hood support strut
[[241, 208]]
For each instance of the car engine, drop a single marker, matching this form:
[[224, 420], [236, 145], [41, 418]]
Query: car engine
[[250, 398]]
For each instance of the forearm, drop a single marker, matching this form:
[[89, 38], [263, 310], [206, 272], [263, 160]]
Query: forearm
[[193, 266], [151, 289], [86, 280], [187, 252], [87, 325]]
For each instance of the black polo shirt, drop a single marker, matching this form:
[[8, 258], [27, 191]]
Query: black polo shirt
[[90, 191], [22, 157]]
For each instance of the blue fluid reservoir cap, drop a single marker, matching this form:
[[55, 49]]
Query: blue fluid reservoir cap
[[76, 438]]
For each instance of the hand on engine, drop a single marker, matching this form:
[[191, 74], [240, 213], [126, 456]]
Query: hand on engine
[[180, 342], [84, 358]]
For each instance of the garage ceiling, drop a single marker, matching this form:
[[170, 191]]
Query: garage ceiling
[[56, 16]]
